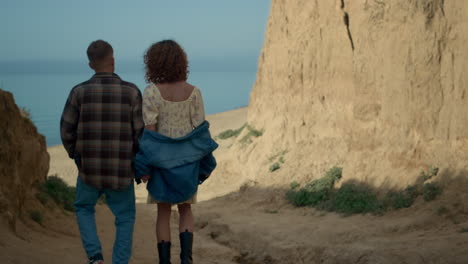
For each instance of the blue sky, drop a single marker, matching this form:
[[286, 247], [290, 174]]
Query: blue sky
[[33, 30]]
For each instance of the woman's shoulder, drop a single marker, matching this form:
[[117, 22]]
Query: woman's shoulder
[[150, 87], [151, 90], [192, 90], [196, 91]]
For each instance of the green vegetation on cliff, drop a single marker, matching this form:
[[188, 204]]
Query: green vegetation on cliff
[[354, 197]]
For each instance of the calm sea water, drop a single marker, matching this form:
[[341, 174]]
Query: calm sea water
[[44, 94]]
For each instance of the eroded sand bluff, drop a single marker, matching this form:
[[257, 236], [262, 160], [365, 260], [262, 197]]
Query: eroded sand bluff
[[377, 87]]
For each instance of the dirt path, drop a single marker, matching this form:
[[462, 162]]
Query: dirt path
[[61, 243], [264, 228], [249, 225], [256, 226]]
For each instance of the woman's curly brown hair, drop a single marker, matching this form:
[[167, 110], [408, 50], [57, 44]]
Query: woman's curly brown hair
[[166, 62]]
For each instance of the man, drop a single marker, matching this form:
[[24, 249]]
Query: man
[[100, 127]]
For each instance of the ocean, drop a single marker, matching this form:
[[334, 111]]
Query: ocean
[[44, 94]]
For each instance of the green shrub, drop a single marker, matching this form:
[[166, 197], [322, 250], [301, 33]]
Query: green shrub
[[36, 216], [349, 199], [42, 197], [279, 154], [236, 132], [401, 199], [431, 191], [277, 160], [302, 197], [231, 133], [463, 230], [275, 166], [427, 175], [442, 210], [59, 191], [252, 133], [294, 185], [25, 112], [314, 192], [352, 198], [327, 182]]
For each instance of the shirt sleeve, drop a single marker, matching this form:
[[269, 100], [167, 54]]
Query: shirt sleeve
[[69, 123], [150, 106], [137, 119], [142, 165], [197, 109]]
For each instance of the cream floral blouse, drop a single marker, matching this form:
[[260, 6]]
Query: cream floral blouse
[[172, 119]]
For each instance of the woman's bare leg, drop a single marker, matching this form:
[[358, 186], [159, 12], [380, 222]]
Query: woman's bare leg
[[186, 221], [163, 228]]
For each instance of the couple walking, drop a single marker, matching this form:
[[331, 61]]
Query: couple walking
[[115, 136]]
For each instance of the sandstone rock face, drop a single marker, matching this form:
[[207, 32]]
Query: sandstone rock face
[[377, 87], [24, 160]]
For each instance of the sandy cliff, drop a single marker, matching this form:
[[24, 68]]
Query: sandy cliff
[[24, 161], [378, 87]]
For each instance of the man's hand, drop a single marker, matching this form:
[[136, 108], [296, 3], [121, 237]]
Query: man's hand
[[145, 178]]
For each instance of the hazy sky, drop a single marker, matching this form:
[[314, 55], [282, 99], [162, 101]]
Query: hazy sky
[[62, 29]]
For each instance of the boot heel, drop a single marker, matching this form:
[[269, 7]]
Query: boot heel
[[164, 252], [186, 242]]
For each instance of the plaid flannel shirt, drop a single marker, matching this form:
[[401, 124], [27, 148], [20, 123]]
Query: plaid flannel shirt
[[100, 127]]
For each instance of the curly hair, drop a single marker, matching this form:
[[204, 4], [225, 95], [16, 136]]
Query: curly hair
[[165, 62]]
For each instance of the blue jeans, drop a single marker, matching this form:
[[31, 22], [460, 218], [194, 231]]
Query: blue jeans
[[122, 205]]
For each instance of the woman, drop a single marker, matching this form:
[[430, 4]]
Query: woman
[[176, 148]]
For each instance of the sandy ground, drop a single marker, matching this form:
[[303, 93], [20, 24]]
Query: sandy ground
[[256, 225]]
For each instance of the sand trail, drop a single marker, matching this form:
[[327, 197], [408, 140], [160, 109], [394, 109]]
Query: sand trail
[[240, 221], [258, 226]]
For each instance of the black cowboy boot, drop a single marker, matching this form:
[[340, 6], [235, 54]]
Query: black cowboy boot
[[164, 251], [186, 241]]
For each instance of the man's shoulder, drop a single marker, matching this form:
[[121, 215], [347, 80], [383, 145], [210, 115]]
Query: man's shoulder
[[131, 86], [128, 84], [80, 86]]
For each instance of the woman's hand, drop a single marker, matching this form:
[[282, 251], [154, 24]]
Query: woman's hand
[[145, 178], [151, 127]]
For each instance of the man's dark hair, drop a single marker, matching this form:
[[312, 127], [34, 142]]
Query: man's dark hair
[[98, 50]]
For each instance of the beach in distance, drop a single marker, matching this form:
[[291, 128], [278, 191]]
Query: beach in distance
[[43, 95]]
